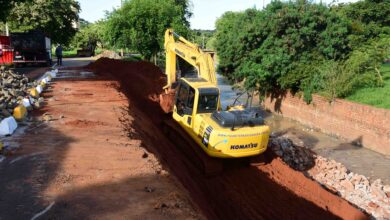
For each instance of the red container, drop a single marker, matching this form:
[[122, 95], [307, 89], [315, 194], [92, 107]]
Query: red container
[[6, 51], [5, 40]]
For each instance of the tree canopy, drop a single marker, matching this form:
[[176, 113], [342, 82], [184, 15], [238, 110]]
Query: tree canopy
[[56, 18], [140, 24], [292, 45], [6, 7], [369, 19], [89, 35]]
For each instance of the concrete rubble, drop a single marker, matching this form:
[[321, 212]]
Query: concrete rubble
[[371, 196], [13, 89], [296, 157]]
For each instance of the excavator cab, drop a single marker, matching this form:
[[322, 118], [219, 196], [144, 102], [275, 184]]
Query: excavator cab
[[191, 100]]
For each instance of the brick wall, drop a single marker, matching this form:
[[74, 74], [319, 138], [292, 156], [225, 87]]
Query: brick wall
[[367, 125]]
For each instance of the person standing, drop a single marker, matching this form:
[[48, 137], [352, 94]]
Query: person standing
[[59, 55]]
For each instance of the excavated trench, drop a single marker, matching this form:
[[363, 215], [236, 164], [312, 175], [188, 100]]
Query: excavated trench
[[267, 190]]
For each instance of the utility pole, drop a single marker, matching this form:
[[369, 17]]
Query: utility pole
[[6, 29], [203, 41]]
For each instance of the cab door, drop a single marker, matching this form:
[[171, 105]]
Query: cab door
[[184, 105]]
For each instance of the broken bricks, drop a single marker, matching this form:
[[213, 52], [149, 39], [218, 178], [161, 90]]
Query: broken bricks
[[372, 197]]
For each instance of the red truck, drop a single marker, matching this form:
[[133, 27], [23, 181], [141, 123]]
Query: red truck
[[6, 51]]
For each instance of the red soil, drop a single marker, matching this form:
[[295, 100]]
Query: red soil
[[269, 191]]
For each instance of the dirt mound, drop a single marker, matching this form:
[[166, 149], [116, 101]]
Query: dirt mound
[[142, 81], [261, 191]]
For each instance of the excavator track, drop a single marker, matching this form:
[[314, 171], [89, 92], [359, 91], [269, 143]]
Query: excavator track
[[209, 166]]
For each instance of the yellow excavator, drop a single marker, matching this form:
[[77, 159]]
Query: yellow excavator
[[195, 105]]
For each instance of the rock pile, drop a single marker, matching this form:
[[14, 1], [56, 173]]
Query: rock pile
[[13, 89], [299, 158], [372, 197]]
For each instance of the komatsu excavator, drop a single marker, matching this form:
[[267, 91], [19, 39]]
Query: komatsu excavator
[[235, 132]]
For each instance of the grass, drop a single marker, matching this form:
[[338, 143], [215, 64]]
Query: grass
[[378, 97], [69, 53], [73, 53]]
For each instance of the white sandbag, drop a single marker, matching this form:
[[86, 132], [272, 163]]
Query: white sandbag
[[39, 89], [53, 73], [26, 102], [8, 126]]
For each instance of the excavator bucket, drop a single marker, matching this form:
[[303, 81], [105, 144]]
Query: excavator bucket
[[167, 100]]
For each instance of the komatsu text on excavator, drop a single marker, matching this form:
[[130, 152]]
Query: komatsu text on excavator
[[235, 132]]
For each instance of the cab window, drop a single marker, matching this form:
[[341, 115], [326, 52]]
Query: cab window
[[185, 100], [207, 103]]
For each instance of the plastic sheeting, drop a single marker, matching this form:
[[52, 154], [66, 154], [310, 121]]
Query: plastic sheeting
[[39, 89], [8, 126]]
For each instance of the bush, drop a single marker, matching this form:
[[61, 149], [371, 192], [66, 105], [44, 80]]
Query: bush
[[298, 46]]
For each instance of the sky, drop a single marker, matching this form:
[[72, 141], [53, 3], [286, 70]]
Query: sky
[[205, 12]]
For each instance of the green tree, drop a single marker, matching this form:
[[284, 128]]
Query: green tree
[[201, 37], [89, 36], [141, 24], [186, 10], [275, 48], [6, 7], [370, 19], [56, 18]]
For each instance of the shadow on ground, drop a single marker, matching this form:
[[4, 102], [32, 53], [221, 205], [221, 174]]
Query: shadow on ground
[[28, 172]]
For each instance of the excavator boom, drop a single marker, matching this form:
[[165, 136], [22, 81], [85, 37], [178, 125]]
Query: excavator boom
[[176, 45]]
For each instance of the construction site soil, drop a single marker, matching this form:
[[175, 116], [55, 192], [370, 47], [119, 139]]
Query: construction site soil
[[269, 189]]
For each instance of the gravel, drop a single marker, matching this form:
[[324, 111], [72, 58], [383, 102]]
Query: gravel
[[13, 88]]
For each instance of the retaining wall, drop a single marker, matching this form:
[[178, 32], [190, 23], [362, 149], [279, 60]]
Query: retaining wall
[[366, 125]]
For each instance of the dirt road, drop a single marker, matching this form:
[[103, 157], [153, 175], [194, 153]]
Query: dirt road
[[75, 162]]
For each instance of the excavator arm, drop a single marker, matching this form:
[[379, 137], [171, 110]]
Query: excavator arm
[[176, 45]]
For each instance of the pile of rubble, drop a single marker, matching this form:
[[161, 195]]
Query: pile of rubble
[[299, 158], [13, 89], [372, 197]]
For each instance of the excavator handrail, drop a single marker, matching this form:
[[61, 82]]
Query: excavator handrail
[[191, 53]]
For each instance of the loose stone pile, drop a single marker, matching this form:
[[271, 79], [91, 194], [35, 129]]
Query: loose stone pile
[[372, 197], [13, 89], [299, 158]]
